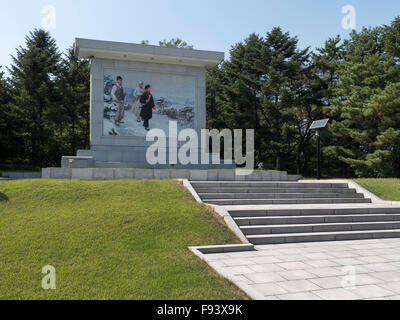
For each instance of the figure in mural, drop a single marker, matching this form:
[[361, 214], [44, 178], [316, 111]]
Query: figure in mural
[[148, 105], [118, 95], [137, 106]]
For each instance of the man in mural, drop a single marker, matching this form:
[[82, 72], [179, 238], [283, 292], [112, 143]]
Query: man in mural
[[137, 106], [148, 105], [118, 95]]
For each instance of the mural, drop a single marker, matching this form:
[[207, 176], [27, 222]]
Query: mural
[[136, 102]]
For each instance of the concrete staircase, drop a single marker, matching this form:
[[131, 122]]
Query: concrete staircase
[[289, 212], [263, 193]]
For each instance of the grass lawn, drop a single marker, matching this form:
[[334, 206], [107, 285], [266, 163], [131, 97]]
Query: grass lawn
[[107, 240], [387, 189]]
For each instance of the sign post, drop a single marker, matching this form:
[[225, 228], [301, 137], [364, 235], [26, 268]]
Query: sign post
[[318, 125]]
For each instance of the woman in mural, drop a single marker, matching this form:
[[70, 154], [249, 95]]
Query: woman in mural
[[137, 106], [148, 105]]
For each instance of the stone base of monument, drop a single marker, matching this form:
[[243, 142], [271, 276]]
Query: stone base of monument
[[113, 157], [160, 174]]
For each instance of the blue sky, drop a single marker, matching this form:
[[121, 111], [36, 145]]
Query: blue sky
[[207, 24]]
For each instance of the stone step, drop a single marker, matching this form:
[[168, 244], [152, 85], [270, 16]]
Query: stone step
[[313, 212], [322, 236], [273, 190], [219, 184], [255, 221], [235, 202], [322, 227], [207, 196]]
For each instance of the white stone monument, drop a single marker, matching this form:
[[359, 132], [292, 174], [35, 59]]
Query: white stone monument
[[177, 79]]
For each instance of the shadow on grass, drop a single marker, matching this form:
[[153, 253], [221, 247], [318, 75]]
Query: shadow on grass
[[3, 197]]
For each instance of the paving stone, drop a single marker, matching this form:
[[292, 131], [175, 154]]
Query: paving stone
[[237, 270], [296, 275], [326, 272], [217, 256], [328, 282], [343, 254], [265, 268], [299, 296], [292, 257], [392, 257], [388, 276], [366, 279], [371, 291], [392, 286], [296, 286], [373, 259], [235, 262], [318, 256], [264, 277], [293, 265], [382, 267], [269, 289], [262, 260], [337, 294], [271, 298], [321, 263], [348, 261]]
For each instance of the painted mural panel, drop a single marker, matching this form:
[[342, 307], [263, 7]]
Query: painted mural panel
[[136, 102]]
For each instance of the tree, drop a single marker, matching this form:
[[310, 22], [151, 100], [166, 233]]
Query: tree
[[367, 107], [33, 72], [173, 43], [9, 141], [266, 85], [74, 84]]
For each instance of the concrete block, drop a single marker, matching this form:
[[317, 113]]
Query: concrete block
[[212, 175], [103, 174], [61, 173], [46, 173], [276, 176], [266, 175], [82, 174], [255, 176], [162, 174], [198, 175], [238, 177], [124, 174], [284, 176], [32, 175], [226, 175], [180, 174], [144, 174]]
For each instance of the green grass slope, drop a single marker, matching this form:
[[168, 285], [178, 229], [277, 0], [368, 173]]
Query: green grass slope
[[107, 240], [387, 189]]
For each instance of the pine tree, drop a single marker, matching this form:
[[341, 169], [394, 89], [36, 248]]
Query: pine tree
[[265, 86], [74, 84], [9, 142], [33, 72], [366, 111]]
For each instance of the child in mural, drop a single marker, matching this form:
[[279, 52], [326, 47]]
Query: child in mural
[[118, 95], [137, 106], [148, 105]]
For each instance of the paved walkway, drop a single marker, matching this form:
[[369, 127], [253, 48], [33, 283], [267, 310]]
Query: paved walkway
[[345, 270]]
